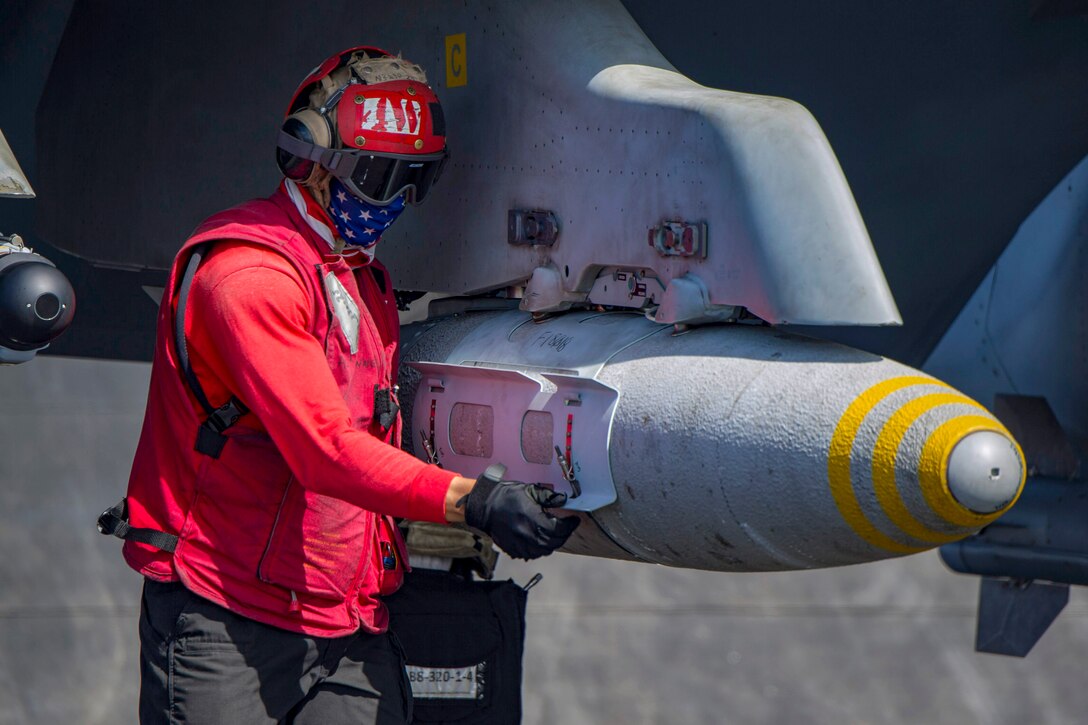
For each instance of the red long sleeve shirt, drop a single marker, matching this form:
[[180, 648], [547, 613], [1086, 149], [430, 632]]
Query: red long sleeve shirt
[[248, 331]]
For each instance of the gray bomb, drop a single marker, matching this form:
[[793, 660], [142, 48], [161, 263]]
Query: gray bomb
[[724, 447]]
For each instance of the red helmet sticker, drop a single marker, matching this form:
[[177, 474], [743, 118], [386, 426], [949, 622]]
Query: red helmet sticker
[[392, 117]]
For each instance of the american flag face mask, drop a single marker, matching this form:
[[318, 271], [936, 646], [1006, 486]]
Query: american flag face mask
[[358, 222]]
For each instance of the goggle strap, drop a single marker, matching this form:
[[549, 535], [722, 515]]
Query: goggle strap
[[327, 157]]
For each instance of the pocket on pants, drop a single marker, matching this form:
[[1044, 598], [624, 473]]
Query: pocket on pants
[[405, 683], [162, 605]]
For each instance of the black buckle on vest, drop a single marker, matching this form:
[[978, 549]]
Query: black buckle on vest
[[386, 406], [114, 522], [209, 436]]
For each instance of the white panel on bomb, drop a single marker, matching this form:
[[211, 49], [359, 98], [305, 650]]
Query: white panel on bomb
[[465, 415]]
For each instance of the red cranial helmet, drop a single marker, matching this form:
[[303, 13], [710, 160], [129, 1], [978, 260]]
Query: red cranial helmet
[[369, 119]]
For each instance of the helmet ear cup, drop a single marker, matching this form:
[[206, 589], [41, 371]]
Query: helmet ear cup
[[306, 125]]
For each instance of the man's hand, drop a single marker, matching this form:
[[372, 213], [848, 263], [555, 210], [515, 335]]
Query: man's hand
[[515, 514]]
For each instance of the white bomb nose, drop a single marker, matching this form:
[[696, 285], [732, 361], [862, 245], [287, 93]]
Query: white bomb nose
[[984, 471]]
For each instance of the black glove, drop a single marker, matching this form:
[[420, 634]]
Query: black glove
[[515, 515]]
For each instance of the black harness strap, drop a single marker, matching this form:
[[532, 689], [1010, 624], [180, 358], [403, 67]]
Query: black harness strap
[[114, 522], [209, 436]]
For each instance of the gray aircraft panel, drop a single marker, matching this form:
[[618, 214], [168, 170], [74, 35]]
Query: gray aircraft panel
[[951, 121], [1024, 329], [609, 138], [923, 103], [1021, 344]]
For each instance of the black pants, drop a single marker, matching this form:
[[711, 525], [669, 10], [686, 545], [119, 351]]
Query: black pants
[[199, 663]]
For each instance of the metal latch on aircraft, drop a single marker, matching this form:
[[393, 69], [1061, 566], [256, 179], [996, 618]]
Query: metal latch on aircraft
[[679, 239], [687, 302], [545, 291], [632, 288], [529, 227]]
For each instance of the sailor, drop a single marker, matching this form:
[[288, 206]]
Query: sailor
[[268, 468]]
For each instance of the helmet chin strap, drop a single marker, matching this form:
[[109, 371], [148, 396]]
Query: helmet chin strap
[[319, 187]]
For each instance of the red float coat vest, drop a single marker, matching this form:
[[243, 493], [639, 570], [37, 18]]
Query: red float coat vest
[[253, 536]]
